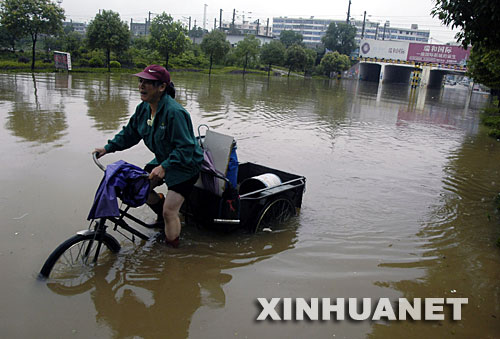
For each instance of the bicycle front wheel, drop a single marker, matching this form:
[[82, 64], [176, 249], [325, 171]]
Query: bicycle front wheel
[[79, 253]]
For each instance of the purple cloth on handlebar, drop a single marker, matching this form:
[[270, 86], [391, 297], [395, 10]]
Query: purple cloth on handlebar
[[123, 180]]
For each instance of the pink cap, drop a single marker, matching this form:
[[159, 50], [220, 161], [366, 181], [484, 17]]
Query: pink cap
[[155, 72]]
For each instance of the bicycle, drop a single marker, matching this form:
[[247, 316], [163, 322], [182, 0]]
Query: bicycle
[[83, 249], [257, 209]]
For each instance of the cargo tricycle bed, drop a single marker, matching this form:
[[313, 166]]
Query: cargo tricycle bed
[[257, 198]]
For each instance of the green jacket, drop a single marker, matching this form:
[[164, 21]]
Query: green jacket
[[170, 138]]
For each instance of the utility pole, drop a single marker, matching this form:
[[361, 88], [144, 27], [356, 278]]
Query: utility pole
[[383, 35], [258, 24], [145, 26], [267, 27], [189, 24], [220, 20], [204, 16], [234, 15], [363, 30], [215, 24], [149, 22], [348, 12], [376, 31]]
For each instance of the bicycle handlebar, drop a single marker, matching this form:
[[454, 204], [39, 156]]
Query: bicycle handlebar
[[97, 162], [103, 168]]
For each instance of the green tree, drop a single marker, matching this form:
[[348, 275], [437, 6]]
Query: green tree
[[289, 38], [72, 41], [310, 60], [106, 31], [216, 46], [272, 53], [168, 37], [479, 20], [51, 43], [334, 62], [480, 27], [196, 32], [484, 67], [247, 50], [31, 17], [340, 37], [295, 58], [7, 38]]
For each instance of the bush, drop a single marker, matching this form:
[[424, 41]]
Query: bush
[[11, 65], [189, 60], [23, 59], [8, 64], [84, 62], [491, 121], [96, 62], [495, 133], [141, 65], [115, 64]]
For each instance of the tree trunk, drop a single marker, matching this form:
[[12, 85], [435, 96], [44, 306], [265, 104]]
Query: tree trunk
[[166, 60], [108, 57], [269, 71], [289, 70], [33, 38], [210, 69], [245, 66]]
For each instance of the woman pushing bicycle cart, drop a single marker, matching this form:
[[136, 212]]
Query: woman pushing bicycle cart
[[166, 129]]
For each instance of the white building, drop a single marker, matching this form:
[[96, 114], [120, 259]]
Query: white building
[[139, 28], [314, 29], [79, 27], [247, 27], [375, 30], [311, 29]]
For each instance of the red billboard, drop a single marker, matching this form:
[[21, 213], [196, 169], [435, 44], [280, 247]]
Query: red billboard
[[439, 54]]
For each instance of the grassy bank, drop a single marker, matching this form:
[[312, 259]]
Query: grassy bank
[[490, 117], [42, 67]]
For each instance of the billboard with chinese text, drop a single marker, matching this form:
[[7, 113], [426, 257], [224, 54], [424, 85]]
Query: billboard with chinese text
[[62, 60], [439, 54], [413, 52]]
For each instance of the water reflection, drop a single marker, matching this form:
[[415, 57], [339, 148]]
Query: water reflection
[[33, 119], [63, 81], [460, 257], [386, 184], [107, 104], [152, 291], [213, 97]]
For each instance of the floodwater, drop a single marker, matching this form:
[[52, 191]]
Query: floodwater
[[399, 204]]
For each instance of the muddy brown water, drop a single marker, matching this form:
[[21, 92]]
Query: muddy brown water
[[399, 204]]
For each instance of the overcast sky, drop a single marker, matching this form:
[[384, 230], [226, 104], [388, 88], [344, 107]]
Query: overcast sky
[[400, 13]]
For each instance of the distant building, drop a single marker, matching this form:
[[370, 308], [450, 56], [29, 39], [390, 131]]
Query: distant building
[[375, 30], [311, 29], [256, 28], [314, 29], [139, 28], [79, 27], [235, 38]]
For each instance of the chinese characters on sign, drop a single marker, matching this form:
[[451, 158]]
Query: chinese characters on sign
[[440, 54], [62, 60], [414, 52]]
